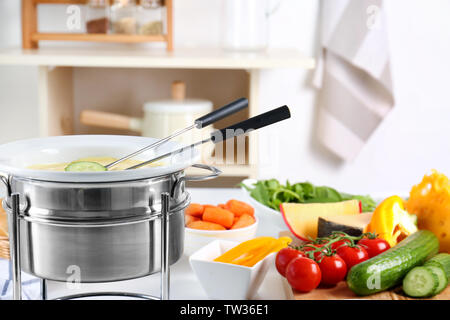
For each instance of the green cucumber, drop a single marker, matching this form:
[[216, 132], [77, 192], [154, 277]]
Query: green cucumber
[[441, 260], [84, 166], [387, 269], [442, 277], [421, 282]]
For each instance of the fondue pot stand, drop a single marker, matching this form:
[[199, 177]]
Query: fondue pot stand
[[99, 231]]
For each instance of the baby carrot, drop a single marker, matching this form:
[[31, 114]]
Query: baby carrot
[[204, 225], [220, 216], [239, 208], [195, 209], [244, 221], [206, 206], [188, 219]]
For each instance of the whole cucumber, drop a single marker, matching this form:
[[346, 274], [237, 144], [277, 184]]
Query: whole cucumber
[[387, 269]]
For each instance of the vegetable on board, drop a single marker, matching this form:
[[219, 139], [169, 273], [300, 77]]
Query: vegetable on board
[[391, 222], [388, 269]]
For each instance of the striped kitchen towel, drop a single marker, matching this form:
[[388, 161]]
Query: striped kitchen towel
[[353, 74], [31, 286]]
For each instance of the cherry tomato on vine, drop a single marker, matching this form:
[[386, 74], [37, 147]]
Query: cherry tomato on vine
[[303, 274], [353, 255], [316, 254], [284, 256], [374, 246], [333, 269], [340, 243]]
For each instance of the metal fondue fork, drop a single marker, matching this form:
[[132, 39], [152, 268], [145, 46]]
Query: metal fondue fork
[[199, 123], [244, 127]]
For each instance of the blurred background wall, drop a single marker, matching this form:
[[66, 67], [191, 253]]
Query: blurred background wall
[[412, 140]]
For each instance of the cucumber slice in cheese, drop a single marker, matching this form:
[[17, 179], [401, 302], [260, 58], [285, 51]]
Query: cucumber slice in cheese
[[85, 166]]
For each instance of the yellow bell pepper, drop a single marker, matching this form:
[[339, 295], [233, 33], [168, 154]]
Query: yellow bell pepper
[[243, 249], [276, 246], [391, 222], [250, 252]]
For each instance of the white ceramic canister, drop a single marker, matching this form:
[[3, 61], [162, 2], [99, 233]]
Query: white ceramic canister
[[161, 118], [164, 117]]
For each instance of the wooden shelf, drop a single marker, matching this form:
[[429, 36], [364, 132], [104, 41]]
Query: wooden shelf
[[31, 35], [98, 37], [138, 57]]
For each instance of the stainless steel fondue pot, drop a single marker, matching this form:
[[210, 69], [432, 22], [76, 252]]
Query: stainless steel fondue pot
[[102, 226], [107, 231]]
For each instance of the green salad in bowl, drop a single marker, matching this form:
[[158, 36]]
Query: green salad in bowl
[[272, 193]]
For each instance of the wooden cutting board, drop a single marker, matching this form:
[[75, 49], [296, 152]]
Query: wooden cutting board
[[342, 292]]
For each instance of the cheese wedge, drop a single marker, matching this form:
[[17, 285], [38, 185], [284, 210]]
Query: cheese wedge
[[302, 218], [353, 225]]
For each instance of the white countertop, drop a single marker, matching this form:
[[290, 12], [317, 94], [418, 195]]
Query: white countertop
[[184, 284]]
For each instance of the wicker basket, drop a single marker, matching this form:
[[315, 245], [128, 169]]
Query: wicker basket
[[4, 247], [4, 240]]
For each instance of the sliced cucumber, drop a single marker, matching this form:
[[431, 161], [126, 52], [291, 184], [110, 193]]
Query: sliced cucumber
[[442, 278], [420, 282], [85, 166], [441, 260]]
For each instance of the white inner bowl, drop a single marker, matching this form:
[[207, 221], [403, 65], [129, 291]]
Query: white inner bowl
[[15, 157]]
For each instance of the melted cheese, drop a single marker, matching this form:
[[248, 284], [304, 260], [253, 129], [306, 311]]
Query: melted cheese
[[102, 160]]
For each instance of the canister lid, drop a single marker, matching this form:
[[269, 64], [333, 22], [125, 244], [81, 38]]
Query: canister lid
[[174, 106], [179, 103]]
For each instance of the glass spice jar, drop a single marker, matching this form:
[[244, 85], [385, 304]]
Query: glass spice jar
[[97, 16], [151, 17], [124, 17]]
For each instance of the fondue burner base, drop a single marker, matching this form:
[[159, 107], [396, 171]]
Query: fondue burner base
[[15, 258], [141, 296]]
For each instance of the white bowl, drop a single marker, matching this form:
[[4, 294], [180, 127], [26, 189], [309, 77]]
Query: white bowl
[[267, 215], [225, 281], [16, 157], [195, 239]]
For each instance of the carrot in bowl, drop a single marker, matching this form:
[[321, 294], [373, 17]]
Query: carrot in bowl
[[218, 215], [244, 221], [195, 209], [205, 225], [239, 208], [188, 219]]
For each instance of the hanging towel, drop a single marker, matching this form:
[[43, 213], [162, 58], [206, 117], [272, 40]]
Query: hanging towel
[[353, 74]]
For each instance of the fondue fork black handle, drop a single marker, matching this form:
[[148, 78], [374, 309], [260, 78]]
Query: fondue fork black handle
[[199, 123], [235, 130], [221, 113]]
